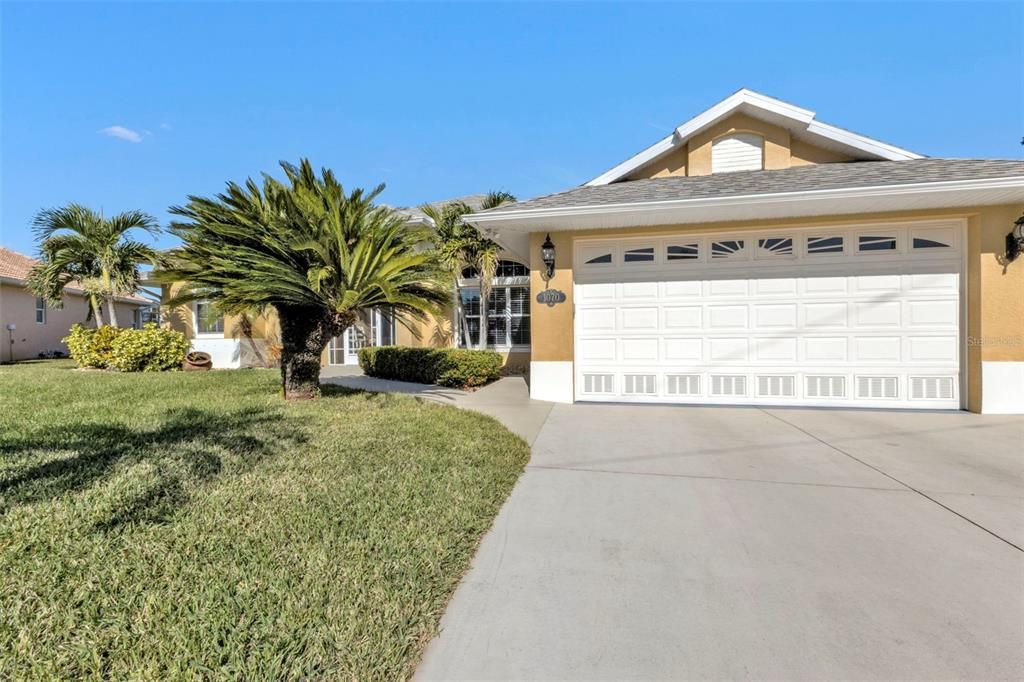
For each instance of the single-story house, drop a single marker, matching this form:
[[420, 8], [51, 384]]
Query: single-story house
[[31, 329], [754, 255]]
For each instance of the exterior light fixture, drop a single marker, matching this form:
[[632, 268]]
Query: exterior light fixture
[[547, 254], [1015, 240]]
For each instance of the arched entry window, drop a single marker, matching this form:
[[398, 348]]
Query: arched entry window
[[507, 311]]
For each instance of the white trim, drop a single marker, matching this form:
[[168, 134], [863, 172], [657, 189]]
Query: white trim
[[1002, 387], [224, 353], [551, 381], [195, 324], [769, 107], [789, 204]]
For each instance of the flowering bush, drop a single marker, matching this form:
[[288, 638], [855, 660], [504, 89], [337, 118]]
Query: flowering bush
[[92, 347], [149, 349]]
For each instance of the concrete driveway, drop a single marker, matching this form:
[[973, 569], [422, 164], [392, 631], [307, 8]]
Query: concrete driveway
[[658, 543]]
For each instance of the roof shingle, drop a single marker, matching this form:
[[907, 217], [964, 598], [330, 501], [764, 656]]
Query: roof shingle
[[800, 179], [16, 266]]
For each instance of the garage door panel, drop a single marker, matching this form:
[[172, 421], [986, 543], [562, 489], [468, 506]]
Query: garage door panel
[[726, 350], [873, 329], [876, 313], [683, 349], [727, 317], [682, 317], [828, 349], [639, 349], [877, 348], [771, 286], [643, 319], [822, 315], [775, 316], [775, 349]]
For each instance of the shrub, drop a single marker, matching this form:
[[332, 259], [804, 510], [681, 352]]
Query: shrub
[[92, 347], [455, 367], [149, 349]]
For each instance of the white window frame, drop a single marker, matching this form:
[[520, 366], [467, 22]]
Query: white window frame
[[195, 323], [507, 283], [40, 308]]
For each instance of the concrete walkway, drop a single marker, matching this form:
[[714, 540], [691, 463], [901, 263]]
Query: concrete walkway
[[507, 400], [666, 543]]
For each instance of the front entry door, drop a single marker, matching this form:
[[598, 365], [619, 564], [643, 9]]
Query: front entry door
[[344, 349]]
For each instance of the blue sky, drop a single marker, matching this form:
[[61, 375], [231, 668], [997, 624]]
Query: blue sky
[[441, 100]]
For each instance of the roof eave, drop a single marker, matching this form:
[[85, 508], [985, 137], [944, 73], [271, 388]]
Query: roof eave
[[759, 206]]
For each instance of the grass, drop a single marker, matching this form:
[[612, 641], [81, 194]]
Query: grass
[[158, 526]]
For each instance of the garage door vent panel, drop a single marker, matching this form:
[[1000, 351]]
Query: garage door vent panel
[[598, 383], [640, 384], [776, 386], [682, 384], [825, 386], [728, 385], [931, 388], [878, 388]]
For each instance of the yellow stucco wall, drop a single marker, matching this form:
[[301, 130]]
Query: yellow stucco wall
[[995, 291], [781, 150]]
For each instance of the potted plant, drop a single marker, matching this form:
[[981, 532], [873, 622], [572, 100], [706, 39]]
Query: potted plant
[[197, 361]]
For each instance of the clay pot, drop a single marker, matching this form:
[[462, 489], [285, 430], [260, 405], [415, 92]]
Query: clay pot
[[197, 361]]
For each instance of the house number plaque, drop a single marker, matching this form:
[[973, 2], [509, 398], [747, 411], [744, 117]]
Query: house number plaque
[[551, 297]]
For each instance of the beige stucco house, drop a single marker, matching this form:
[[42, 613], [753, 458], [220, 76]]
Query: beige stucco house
[[754, 255], [30, 328]]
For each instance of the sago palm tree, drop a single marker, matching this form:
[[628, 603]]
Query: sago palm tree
[[318, 256], [79, 246], [460, 246]]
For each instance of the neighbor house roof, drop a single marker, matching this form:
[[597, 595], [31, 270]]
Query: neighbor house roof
[[832, 188], [416, 214], [800, 122], [15, 267]]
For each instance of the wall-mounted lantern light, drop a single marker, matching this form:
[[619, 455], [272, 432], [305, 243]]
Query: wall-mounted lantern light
[[1015, 240], [547, 254]]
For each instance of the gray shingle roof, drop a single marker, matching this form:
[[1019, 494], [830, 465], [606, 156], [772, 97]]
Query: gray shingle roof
[[800, 179], [474, 201]]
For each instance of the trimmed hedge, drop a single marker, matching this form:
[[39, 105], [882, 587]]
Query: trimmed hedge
[[456, 367], [129, 350]]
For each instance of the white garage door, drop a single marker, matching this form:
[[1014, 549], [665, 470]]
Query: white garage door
[[867, 316]]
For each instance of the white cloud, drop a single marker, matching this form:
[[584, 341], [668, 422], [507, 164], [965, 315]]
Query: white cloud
[[165, 126], [122, 133]]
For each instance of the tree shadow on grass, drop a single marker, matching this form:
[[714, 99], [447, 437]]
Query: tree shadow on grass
[[151, 470]]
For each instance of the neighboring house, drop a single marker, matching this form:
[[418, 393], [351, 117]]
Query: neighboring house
[[508, 320], [757, 256], [38, 328]]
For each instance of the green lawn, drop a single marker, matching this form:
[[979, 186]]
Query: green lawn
[[193, 524]]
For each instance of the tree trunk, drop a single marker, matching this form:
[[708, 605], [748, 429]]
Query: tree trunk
[[113, 312], [305, 332], [97, 310]]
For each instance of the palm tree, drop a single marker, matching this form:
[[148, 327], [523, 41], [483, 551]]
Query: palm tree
[[79, 246], [318, 256], [461, 246]]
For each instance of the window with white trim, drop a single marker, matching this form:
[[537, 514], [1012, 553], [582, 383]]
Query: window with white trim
[[508, 308], [207, 319], [40, 310]]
